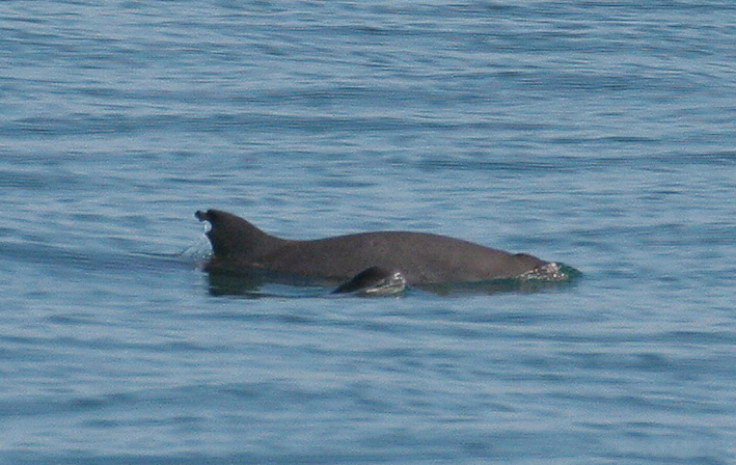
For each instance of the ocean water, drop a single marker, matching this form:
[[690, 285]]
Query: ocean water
[[597, 134]]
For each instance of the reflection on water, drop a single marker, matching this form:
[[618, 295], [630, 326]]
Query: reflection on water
[[258, 283]]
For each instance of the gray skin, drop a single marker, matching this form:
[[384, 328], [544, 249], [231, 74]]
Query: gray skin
[[421, 258]]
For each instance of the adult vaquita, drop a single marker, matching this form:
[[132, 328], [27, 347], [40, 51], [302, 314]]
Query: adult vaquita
[[371, 263]]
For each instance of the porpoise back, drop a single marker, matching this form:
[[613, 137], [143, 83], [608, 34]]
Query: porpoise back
[[422, 258]]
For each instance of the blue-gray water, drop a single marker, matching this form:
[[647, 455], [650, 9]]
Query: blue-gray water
[[598, 134]]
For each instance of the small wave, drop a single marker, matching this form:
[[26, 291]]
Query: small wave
[[551, 272]]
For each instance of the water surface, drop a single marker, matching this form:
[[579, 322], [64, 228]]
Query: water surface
[[599, 135]]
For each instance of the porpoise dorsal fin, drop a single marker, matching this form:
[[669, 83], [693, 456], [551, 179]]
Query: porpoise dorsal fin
[[231, 235]]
